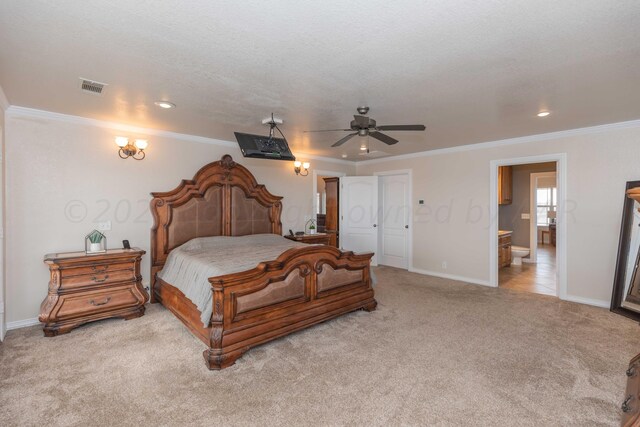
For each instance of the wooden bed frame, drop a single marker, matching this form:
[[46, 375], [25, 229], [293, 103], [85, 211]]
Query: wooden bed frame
[[300, 288]]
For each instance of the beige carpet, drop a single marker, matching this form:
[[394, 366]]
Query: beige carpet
[[436, 352]]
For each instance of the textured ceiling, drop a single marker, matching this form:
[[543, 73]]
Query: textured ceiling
[[470, 71]]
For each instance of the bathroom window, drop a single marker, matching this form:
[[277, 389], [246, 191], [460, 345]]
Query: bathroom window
[[547, 200]]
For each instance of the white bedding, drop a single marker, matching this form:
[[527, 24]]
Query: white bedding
[[190, 265]]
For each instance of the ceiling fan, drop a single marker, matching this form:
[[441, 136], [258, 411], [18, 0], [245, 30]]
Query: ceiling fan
[[364, 126]]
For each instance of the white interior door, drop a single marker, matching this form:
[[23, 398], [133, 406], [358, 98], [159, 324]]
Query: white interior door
[[394, 221], [359, 214]]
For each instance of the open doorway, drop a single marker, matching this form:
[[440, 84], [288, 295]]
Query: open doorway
[[527, 205]]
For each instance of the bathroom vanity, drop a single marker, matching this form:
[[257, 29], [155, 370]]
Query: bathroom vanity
[[504, 248]]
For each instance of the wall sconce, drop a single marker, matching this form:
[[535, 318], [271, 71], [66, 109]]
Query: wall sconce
[[300, 168], [129, 149]]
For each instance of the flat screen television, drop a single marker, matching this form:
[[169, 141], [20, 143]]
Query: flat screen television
[[264, 147]]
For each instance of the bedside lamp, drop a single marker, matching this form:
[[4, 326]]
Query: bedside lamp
[[551, 215]]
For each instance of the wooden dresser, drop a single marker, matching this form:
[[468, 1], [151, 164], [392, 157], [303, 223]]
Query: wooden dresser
[[318, 238], [631, 403], [84, 288]]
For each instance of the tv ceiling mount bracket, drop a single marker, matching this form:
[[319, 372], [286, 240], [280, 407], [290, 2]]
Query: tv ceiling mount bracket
[[273, 123]]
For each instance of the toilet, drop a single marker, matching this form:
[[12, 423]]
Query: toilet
[[517, 253]]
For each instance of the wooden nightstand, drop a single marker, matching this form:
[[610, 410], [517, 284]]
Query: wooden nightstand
[[630, 406], [318, 238], [88, 287]]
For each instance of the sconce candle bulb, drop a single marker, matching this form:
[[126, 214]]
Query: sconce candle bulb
[[122, 141], [141, 144]]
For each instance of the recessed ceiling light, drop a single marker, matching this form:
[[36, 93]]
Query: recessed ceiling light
[[363, 148], [543, 113], [165, 104]]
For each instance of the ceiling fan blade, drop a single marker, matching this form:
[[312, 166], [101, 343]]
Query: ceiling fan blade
[[345, 139], [328, 130], [362, 121], [402, 127], [384, 138]]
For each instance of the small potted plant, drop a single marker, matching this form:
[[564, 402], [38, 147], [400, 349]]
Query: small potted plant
[[312, 227], [95, 242]]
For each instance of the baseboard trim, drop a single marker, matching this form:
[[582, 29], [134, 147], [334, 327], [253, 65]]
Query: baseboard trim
[[588, 301], [3, 326], [451, 277], [22, 323]]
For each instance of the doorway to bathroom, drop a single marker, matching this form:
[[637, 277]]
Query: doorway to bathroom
[[527, 205]]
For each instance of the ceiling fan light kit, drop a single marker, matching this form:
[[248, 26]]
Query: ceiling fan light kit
[[362, 125]]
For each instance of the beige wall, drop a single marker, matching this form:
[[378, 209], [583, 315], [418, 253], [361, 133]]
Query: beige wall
[[453, 225], [63, 177], [510, 216], [3, 105]]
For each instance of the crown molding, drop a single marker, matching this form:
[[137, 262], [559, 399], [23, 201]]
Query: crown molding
[[16, 111], [510, 141], [325, 159], [4, 102]]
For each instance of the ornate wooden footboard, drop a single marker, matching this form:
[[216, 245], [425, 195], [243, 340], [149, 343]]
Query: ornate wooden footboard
[[302, 287]]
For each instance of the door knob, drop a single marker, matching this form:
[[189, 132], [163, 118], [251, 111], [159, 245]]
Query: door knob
[[375, 225], [406, 226]]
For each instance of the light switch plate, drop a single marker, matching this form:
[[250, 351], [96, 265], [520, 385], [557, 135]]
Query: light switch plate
[[525, 216], [104, 226]]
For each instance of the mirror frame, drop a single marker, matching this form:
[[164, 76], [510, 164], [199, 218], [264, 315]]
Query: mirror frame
[[623, 254]]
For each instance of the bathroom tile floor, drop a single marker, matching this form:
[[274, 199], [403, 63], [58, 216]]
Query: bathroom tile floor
[[537, 278]]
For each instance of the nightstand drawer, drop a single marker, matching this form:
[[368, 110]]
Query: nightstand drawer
[[74, 305], [631, 401], [93, 279], [96, 269]]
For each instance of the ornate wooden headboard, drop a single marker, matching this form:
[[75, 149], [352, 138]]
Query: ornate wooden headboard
[[222, 199]]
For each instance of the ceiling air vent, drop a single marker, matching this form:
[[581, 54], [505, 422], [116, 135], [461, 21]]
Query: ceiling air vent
[[92, 87]]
